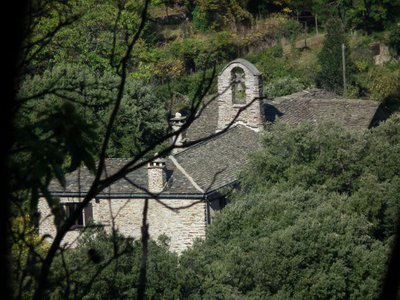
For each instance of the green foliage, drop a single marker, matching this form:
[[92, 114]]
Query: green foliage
[[314, 219], [285, 73], [367, 15], [371, 15], [361, 54], [106, 266], [89, 39], [292, 29], [27, 248], [201, 19], [283, 86], [394, 39], [381, 83], [142, 120], [52, 134], [306, 158], [273, 63], [330, 57], [62, 122], [213, 14]]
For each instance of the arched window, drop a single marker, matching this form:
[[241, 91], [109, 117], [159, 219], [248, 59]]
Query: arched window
[[238, 86]]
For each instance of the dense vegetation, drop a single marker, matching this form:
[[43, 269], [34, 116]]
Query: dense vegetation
[[314, 219], [317, 208]]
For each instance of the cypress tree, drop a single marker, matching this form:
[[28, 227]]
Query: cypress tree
[[331, 75]]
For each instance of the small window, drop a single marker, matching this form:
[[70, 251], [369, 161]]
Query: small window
[[84, 218], [238, 86]]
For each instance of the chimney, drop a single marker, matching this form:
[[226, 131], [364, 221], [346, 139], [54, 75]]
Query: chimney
[[176, 123], [156, 175]]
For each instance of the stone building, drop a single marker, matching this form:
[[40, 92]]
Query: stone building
[[194, 177]]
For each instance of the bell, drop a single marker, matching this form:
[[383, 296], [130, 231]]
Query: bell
[[238, 77]]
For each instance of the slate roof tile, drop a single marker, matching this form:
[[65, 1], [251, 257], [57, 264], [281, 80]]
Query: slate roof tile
[[320, 106], [206, 123], [80, 181], [217, 162]]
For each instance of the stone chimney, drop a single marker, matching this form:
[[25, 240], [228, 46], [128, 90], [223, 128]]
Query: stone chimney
[[156, 175], [176, 123]]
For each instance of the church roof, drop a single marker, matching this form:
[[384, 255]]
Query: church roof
[[78, 182], [206, 122], [197, 170], [314, 105], [214, 163], [319, 106]]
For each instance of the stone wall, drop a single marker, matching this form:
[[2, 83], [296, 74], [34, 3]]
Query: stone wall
[[227, 110], [182, 226]]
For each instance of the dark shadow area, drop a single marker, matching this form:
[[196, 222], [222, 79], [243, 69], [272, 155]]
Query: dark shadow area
[[12, 36], [381, 114], [271, 113]]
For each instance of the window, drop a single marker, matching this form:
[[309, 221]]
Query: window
[[84, 218], [238, 86]]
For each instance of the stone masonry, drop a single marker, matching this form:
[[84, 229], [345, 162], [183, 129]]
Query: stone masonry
[[181, 226], [156, 175], [227, 109]]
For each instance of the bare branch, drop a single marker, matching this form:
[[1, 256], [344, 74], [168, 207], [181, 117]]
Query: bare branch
[[92, 192]]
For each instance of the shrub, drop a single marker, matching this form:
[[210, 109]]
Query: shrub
[[107, 266], [273, 64], [283, 86], [383, 83], [201, 19]]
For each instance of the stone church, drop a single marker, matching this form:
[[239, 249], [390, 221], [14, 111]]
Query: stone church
[[194, 177]]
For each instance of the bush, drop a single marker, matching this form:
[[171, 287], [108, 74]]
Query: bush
[[273, 63], [201, 19], [283, 86], [106, 266], [381, 83]]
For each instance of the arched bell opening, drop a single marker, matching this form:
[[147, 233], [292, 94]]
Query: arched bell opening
[[238, 86]]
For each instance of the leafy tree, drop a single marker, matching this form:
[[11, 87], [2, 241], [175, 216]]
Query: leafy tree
[[212, 14], [260, 8], [96, 38], [394, 39], [382, 83], [142, 118], [314, 219], [105, 266], [372, 15]]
